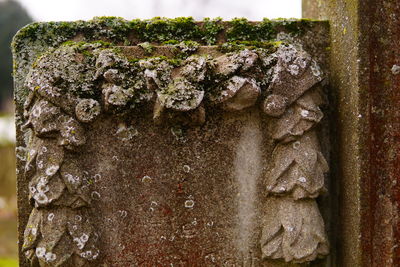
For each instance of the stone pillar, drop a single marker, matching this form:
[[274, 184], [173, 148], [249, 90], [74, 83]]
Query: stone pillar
[[172, 143], [365, 76]]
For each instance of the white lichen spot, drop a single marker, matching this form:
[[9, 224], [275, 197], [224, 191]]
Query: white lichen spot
[[40, 164], [36, 111], [32, 189], [296, 145], [84, 238], [189, 204], [95, 195], [95, 255], [49, 257], [293, 69], [186, 168], [41, 198], [50, 171], [290, 229], [34, 231], [316, 70], [50, 217], [96, 177], [72, 179], [304, 113], [42, 188], [123, 213], [302, 179], [40, 252], [395, 69], [79, 243], [146, 179]]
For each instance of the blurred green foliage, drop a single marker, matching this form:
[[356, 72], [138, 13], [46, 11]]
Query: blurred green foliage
[[8, 262], [12, 17]]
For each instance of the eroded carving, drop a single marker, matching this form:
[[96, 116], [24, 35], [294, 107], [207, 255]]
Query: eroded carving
[[295, 231], [74, 85]]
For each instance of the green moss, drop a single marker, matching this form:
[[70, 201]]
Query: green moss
[[240, 45], [82, 44], [147, 47], [240, 29], [162, 29], [156, 30], [210, 30], [171, 42], [295, 27]]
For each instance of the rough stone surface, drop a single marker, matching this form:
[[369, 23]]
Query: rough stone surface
[[364, 54], [165, 154]]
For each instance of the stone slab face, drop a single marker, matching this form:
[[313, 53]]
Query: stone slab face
[[172, 143]]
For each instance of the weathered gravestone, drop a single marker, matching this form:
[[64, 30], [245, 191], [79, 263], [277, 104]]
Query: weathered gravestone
[[171, 142]]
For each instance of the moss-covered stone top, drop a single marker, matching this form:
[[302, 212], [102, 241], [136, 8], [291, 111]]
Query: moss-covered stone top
[[159, 30], [183, 32]]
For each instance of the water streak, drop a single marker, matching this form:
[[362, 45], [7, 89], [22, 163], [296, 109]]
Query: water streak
[[247, 171]]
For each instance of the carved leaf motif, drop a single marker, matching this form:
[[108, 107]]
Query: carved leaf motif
[[46, 190], [54, 226], [245, 97], [293, 230], [83, 236], [115, 95], [32, 230], [60, 234], [298, 119], [72, 133], [298, 168], [44, 118], [236, 93], [294, 74], [72, 176], [181, 95], [229, 64], [194, 69], [49, 158], [30, 166]]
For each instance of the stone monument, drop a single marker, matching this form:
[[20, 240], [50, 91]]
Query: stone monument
[[169, 142]]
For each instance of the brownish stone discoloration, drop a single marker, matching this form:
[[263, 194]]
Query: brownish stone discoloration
[[172, 154], [364, 56]]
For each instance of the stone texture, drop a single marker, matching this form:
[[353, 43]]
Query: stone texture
[[153, 154], [364, 52]]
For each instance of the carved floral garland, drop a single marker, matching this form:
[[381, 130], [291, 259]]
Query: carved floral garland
[[294, 230], [72, 85]]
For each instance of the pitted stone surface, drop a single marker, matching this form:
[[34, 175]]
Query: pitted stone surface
[[173, 154]]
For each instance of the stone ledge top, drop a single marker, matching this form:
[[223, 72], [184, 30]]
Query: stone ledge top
[[162, 30]]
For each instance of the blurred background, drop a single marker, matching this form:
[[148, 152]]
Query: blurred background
[[14, 14]]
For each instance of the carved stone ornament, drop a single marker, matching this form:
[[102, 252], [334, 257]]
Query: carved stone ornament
[[75, 86]]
